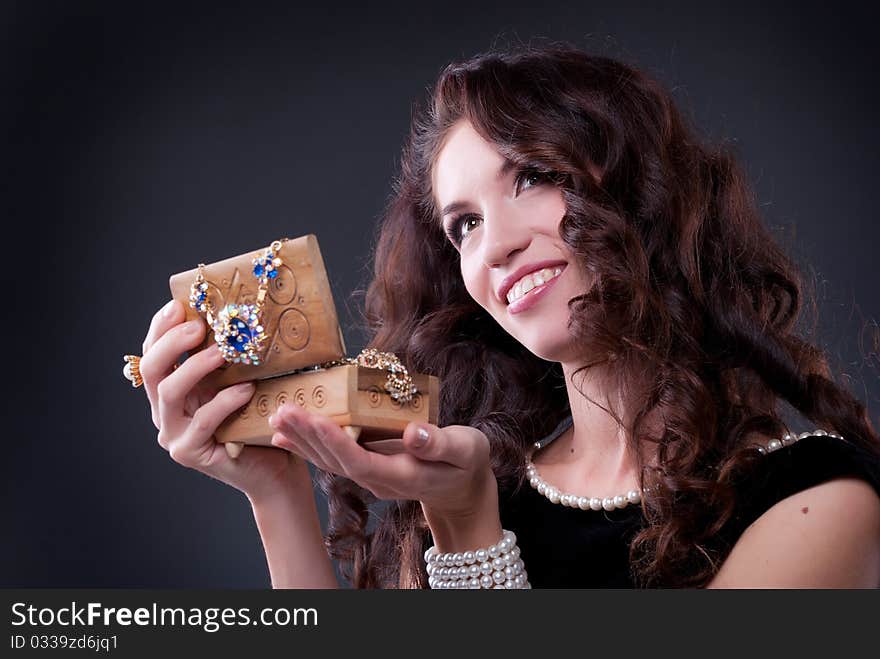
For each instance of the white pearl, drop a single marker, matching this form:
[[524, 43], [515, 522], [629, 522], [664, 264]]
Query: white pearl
[[469, 557], [432, 582], [534, 481], [481, 555], [583, 503], [486, 568], [774, 445], [633, 496], [542, 488], [474, 584], [509, 572], [804, 434], [430, 554], [788, 438], [504, 546], [595, 503], [520, 580], [499, 577], [620, 501], [498, 563], [474, 570], [509, 558], [553, 496], [515, 552], [486, 581], [458, 559], [608, 503], [493, 551], [509, 584], [498, 586], [819, 432]]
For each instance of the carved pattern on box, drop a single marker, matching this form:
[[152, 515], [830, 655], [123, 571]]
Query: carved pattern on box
[[351, 395], [299, 316]]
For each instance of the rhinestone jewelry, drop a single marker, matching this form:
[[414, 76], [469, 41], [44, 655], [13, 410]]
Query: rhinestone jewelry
[[238, 328], [399, 383]]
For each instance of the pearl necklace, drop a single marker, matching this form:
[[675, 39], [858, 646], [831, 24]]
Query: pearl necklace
[[635, 496]]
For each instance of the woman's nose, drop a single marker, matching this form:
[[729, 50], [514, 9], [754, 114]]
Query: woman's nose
[[504, 234]]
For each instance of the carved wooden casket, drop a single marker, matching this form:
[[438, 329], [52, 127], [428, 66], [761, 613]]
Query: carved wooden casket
[[301, 329]]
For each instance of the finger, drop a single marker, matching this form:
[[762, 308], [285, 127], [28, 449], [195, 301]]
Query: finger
[[163, 320], [401, 474], [293, 422], [291, 444], [159, 361], [173, 389], [196, 447], [460, 446]]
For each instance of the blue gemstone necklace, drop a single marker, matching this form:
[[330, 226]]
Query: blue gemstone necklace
[[238, 328]]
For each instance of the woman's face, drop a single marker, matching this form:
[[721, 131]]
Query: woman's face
[[505, 225]]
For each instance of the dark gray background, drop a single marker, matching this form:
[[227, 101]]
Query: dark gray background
[[140, 141]]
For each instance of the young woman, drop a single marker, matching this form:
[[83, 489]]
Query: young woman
[[614, 330]]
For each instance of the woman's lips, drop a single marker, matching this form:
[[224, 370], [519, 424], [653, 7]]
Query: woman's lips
[[534, 296]]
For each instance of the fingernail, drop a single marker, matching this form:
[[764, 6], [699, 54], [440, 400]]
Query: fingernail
[[244, 387], [421, 437], [168, 309]]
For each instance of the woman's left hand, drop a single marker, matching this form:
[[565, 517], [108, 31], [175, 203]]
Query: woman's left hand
[[448, 472]]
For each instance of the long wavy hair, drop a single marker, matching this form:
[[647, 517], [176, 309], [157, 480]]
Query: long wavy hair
[[693, 313]]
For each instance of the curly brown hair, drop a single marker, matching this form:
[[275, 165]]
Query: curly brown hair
[[693, 312]]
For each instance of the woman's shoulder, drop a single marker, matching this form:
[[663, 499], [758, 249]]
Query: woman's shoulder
[[808, 515], [794, 463]]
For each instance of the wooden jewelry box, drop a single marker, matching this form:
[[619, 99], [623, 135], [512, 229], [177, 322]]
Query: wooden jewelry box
[[292, 317]]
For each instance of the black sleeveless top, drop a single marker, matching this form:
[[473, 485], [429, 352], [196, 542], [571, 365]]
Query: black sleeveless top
[[564, 547]]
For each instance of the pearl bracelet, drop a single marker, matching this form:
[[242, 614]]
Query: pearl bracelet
[[498, 566]]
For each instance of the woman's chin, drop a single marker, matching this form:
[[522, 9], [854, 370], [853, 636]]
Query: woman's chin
[[551, 351]]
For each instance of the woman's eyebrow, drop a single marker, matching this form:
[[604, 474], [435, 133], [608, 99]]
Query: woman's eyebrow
[[503, 171]]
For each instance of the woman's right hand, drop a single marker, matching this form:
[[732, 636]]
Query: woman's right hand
[[187, 413]]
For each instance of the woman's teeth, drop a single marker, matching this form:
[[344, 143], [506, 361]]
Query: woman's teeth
[[531, 280]]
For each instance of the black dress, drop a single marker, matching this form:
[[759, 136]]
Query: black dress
[[564, 547]]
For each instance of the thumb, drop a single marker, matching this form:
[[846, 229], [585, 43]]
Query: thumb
[[426, 441]]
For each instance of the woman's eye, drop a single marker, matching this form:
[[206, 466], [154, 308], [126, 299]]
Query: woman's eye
[[529, 178], [454, 231]]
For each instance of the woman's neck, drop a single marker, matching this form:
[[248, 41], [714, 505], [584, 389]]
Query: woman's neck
[[592, 456]]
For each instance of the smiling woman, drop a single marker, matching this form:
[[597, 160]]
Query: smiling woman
[[576, 265], [613, 328]]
